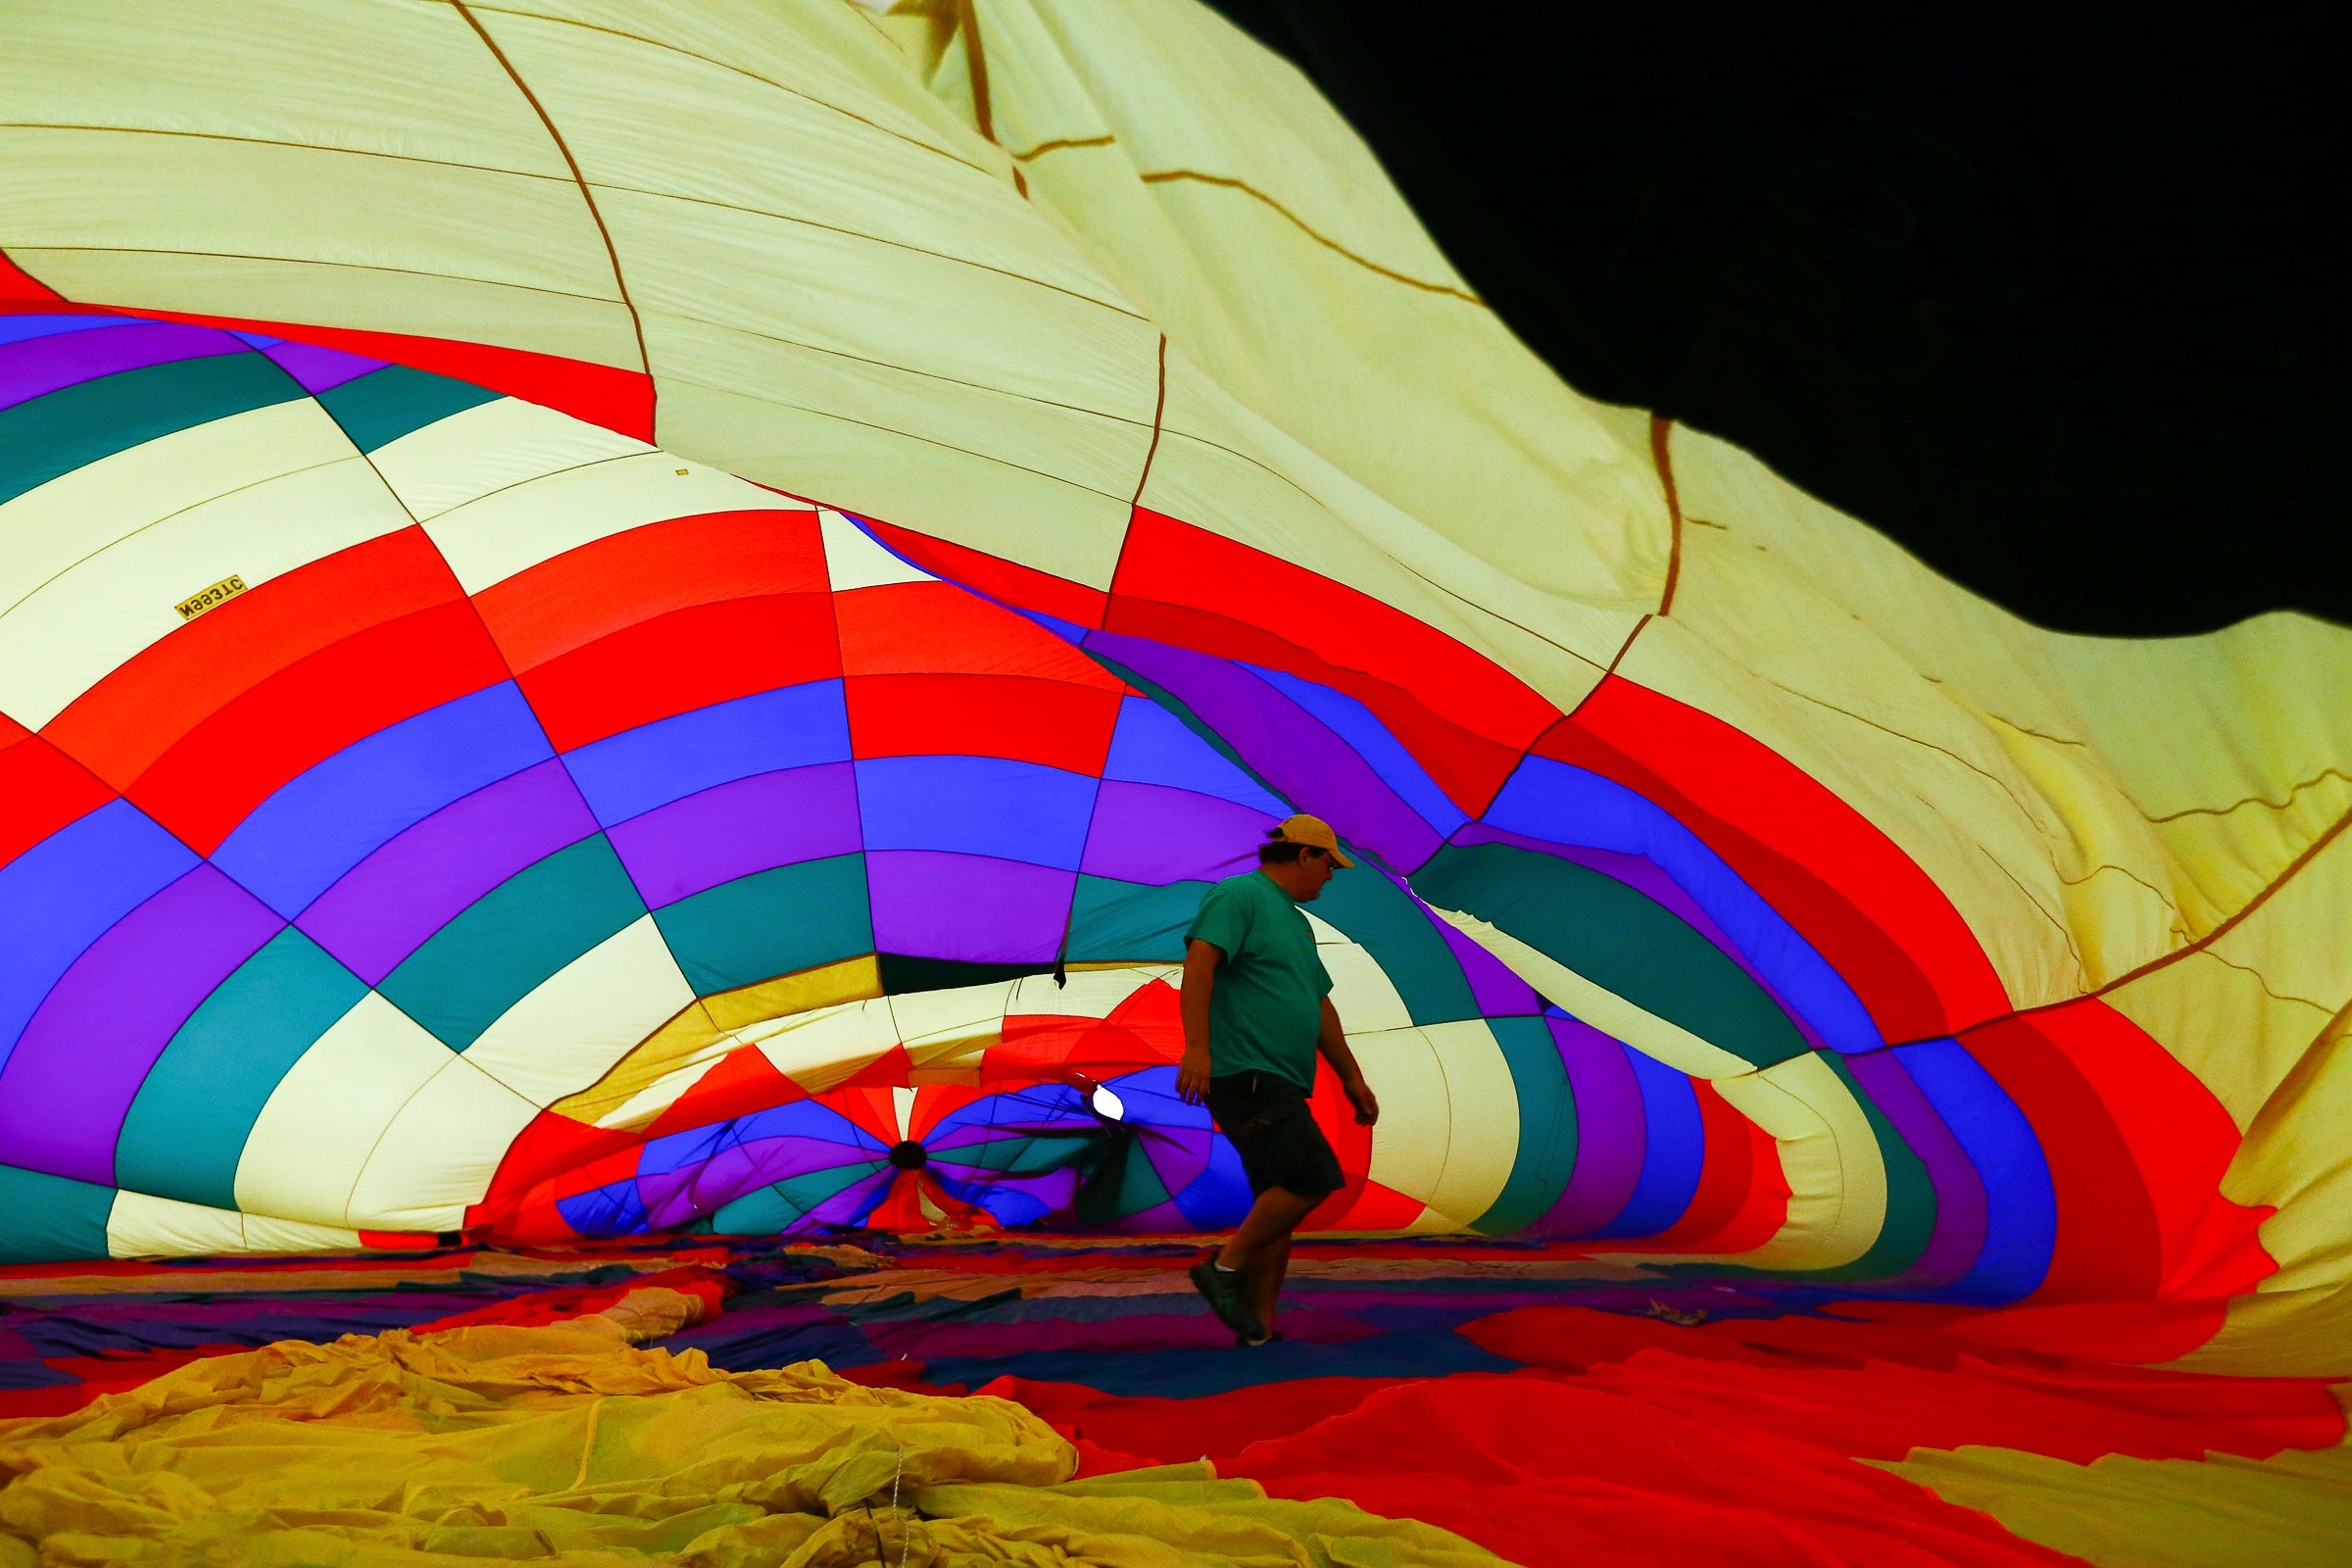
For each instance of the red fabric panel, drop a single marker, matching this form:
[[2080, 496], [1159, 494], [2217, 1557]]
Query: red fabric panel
[[204, 785], [2108, 1245], [709, 1284], [550, 1146], [41, 790], [685, 659], [1174, 563], [739, 1083], [2181, 1140], [399, 1240], [1769, 841], [120, 726], [1725, 1175], [1574, 1338], [1349, 1139], [17, 284], [936, 628], [1019, 717], [11, 731], [600, 394], [610, 585], [1542, 1470], [1006, 582], [2100, 1330], [101, 1374]]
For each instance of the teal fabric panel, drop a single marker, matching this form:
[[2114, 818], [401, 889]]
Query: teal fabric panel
[[51, 1219], [511, 938], [1131, 922], [1548, 1127], [386, 405], [771, 1208], [770, 923], [62, 431], [185, 1130], [1367, 907], [1616, 937]]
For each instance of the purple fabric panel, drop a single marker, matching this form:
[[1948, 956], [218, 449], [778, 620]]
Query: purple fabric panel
[[1290, 749], [1647, 878], [672, 1197], [732, 830], [932, 904], [321, 368], [1611, 1133], [1153, 834], [387, 904], [42, 365], [1497, 991], [86, 1052], [1961, 1214]]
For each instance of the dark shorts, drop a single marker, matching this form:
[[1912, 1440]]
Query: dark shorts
[[1265, 1117]]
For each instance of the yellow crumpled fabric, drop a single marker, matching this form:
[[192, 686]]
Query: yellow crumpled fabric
[[567, 1444]]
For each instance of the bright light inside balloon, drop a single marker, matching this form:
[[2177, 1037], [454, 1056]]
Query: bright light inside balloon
[[1107, 1105]]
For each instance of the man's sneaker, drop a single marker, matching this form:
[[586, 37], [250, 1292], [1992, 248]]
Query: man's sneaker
[[1241, 1344], [1221, 1288]]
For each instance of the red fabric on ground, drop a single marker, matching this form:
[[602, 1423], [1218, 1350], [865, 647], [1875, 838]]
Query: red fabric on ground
[[559, 1306], [1546, 1470]]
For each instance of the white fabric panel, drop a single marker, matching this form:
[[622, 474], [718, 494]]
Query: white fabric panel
[[490, 540], [577, 1022], [1603, 1010], [439, 1152], [925, 1018], [488, 448], [85, 621], [314, 1134], [1090, 993], [1482, 1138], [854, 561], [142, 1225], [1409, 1141]]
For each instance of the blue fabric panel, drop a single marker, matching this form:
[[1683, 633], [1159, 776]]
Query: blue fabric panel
[[976, 805], [653, 765], [19, 328], [334, 815], [1152, 746], [64, 892], [1672, 1158], [1549, 800], [2020, 1202], [612, 1209], [1362, 729]]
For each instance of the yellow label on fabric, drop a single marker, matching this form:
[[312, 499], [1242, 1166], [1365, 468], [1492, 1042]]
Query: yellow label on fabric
[[225, 589]]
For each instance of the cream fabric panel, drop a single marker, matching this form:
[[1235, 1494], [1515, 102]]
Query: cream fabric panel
[[1410, 1141], [1482, 1119], [438, 1155], [506, 531], [319, 1125], [577, 1022], [1837, 1176], [491, 447], [141, 1225]]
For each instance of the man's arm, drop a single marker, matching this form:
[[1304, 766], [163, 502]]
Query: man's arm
[[1333, 1043], [1200, 960]]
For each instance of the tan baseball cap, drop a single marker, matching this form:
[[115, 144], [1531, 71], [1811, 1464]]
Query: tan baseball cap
[[1313, 830]]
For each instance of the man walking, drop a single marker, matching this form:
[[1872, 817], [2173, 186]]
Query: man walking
[[1256, 1008]]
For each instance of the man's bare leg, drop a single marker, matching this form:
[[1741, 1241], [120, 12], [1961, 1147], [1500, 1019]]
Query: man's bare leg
[[1264, 1289], [1276, 1213]]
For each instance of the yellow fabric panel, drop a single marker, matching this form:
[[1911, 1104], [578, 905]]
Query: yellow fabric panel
[[1836, 1177], [128, 190], [2294, 1510], [565, 1445], [1243, 212], [141, 1225], [389, 77]]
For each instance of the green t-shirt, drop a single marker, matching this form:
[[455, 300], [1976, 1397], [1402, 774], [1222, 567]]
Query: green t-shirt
[[1266, 1011]]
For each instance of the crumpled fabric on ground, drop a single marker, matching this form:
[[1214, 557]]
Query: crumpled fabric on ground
[[565, 1445]]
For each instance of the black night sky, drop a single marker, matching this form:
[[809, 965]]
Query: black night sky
[[2040, 290]]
